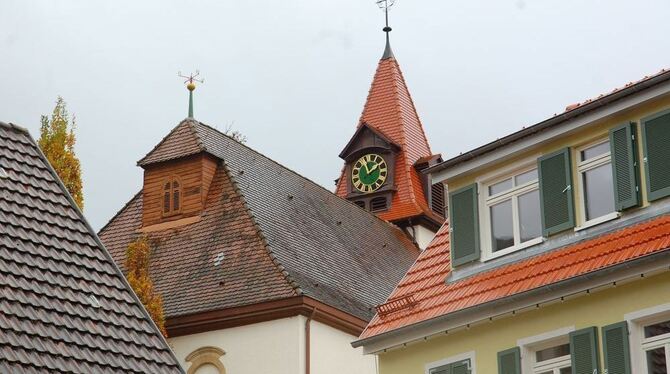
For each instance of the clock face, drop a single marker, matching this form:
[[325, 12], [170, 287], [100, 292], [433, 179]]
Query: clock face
[[369, 173]]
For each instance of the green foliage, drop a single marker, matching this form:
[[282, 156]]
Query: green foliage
[[138, 258], [57, 141]]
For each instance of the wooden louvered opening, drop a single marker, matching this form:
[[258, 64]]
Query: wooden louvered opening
[[360, 203], [437, 199], [378, 204]]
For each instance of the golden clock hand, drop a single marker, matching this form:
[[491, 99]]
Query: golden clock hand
[[373, 168], [365, 164]]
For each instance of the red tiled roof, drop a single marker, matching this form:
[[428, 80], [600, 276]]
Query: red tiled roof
[[390, 110], [425, 281], [629, 84]]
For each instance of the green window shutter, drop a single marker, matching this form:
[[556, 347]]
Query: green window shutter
[[556, 192], [615, 346], [584, 351], [464, 221], [509, 361], [462, 367], [655, 140], [441, 370], [624, 167]]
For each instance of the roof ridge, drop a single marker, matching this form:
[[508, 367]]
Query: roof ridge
[[108, 256], [301, 176], [165, 138], [273, 257], [191, 126], [411, 100], [15, 127]]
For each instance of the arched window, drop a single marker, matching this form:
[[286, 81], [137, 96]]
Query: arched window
[[171, 196], [206, 360]]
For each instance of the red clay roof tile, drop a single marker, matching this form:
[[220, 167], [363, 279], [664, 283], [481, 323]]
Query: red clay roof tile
[[425, 280], [390, 110]]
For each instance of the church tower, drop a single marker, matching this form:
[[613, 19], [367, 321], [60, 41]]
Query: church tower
[[384, 159]]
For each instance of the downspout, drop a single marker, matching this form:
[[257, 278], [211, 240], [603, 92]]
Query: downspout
[[308, 324]]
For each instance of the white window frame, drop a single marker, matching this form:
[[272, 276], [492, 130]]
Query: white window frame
[[638, 343], [486, 201], [584, 166], [532, 344], [452, 360]]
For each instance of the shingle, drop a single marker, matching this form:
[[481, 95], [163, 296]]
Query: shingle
[[389, 110], [50, 266], [426, 278], [332, 250]]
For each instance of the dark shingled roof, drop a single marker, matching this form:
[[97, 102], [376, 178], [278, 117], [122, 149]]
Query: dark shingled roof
[[281, 235], [64, 305]]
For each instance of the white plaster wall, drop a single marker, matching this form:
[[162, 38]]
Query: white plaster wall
[[266, 347], [278, 347], [332, 353], [423, 236]]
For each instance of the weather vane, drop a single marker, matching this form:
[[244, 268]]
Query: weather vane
[[190, 85], [385, 5]]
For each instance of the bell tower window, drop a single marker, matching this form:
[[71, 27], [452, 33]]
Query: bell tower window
[[171, 196]]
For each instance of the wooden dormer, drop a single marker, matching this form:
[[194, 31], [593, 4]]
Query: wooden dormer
[[176, 189], [177, 175]]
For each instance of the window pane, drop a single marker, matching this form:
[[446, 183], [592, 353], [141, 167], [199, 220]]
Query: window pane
[[594, 151], [657, 329], [166, 202], [167, 186], [567, 370], [175, 184], [530, 221], [501, 225], [552, 352], [526, 177], [175, 201], [656, 361], [500, 187], [598, 191]]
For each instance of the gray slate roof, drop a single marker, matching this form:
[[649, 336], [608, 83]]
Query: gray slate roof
[[329, 249], [64, 305], [337, 252]]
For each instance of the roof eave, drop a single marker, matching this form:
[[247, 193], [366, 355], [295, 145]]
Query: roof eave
[[658, 261], [550, 122]]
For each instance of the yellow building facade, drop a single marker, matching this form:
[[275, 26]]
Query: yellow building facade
[[540, 271]]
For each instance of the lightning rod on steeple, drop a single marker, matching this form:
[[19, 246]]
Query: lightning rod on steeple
[[385, 6], [190, 85]]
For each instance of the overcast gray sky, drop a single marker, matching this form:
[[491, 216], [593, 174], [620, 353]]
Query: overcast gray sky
[[292, 75]]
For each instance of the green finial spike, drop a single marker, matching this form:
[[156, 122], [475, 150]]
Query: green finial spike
[[190, 85], [190, 104]]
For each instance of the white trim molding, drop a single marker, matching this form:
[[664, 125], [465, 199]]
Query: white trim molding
[[636, 322], [531, 344]]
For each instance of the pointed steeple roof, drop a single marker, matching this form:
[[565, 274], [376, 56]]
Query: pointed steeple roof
[[389, 109]]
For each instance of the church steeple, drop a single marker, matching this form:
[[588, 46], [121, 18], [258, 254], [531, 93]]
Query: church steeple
[[390, 127]]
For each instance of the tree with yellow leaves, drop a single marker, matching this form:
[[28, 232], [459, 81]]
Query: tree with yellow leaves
[[57, 141], [138, 256]]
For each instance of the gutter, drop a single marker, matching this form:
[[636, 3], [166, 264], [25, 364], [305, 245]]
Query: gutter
[[308, 324], [551, 122], [661, 258]]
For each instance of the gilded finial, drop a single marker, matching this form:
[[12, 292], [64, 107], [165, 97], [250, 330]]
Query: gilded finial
[[190, 85]]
